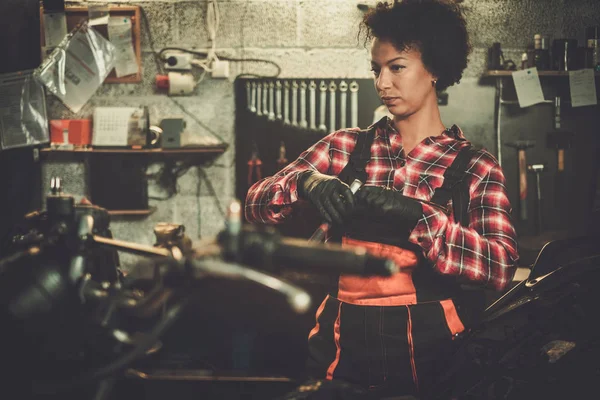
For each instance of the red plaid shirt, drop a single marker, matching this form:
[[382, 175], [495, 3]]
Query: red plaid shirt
[[485, 252]]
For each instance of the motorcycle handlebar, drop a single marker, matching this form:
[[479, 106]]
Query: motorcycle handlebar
[[331, 259], [264, 249]]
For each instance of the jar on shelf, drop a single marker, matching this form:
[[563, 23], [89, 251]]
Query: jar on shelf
[[592, 38], [541, 53]]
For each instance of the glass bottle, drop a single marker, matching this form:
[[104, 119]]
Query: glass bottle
[[541, 56], [524, 61], [592, 36]]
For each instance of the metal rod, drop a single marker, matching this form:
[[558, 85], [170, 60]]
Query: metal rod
[[134, 248]]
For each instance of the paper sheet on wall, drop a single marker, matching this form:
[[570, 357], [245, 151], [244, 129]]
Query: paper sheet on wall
[[98, 13], [583, 88], [528, 87], [111, 125], [119, 34]]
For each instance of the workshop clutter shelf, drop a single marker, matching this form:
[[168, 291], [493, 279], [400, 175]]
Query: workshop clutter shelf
[[118, 178], [540, 73], [216, 149]]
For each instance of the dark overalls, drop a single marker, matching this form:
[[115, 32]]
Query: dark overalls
[[392, 335]]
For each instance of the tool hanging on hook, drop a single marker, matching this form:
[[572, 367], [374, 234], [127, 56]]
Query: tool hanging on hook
[[312, 88], [343, 95], [278, 87], [254, 167], [522, 146], [306, 104], [286, 102], [282, 161], [537, 169], [559, 139], [322, 106]]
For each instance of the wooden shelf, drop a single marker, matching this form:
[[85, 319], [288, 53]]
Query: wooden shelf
[[216, 149], [540, 73], [132, 212], [200, 375]]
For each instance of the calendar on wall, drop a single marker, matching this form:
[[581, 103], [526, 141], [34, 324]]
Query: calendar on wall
[[120, 126]]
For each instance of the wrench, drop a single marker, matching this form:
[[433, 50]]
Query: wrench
[[265, 98], [303, 122], [295, 103], [312, 87], [258, 99], [332, 89], [286, 102], [271, 101], [354, 104], [253, 97], [323, 106], [343, 95], [278, 99]]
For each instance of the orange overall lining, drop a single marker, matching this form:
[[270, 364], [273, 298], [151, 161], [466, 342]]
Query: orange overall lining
[[411, 349], [452, 319], [396, 290], [336, 337], [315, 330]]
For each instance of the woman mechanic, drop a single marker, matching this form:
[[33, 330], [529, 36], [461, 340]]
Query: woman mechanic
[[391, 335]]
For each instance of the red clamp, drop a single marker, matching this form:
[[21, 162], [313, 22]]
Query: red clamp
[[282, 161], [254, 169]]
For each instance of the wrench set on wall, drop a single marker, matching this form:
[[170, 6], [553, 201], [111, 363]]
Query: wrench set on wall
[[318, 105]]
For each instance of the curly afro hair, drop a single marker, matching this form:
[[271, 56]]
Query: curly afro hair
[[437, 28]]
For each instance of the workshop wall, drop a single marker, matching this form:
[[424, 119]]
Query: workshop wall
[[310, 38]]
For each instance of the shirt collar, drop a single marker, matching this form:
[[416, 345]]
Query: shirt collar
[[385, 126]]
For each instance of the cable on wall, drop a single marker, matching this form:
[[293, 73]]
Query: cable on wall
[[226, 58]]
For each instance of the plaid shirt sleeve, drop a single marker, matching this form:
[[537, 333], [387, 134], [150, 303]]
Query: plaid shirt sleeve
[[485, 252], [270, 200]]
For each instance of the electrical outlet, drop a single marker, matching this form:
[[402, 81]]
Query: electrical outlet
[[178, 61], [220, 69]]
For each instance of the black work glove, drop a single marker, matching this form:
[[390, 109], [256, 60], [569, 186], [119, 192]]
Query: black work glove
[[383, 202], [331, 196]]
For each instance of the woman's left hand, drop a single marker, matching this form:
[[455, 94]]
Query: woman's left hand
[[386, 202]]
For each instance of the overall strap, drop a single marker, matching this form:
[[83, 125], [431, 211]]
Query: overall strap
[[454, 186], [360, 156]]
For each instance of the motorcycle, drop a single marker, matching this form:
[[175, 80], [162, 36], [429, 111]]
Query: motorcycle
[[73, 322]]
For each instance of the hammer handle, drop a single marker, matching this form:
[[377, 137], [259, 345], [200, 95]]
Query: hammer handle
[[522, 184], [561, 159]]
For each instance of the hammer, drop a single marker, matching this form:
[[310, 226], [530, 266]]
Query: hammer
[[558, 138], [561, 141], [521, 146], [537, 169]]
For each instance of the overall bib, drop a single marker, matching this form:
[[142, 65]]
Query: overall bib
[[392, 335]]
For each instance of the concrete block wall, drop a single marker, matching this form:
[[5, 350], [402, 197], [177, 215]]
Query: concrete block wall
[[307, 38]]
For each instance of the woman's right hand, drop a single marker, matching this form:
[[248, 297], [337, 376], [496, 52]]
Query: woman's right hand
[[331, 196]]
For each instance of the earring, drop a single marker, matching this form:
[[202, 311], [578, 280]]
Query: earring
[[433, 82]]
